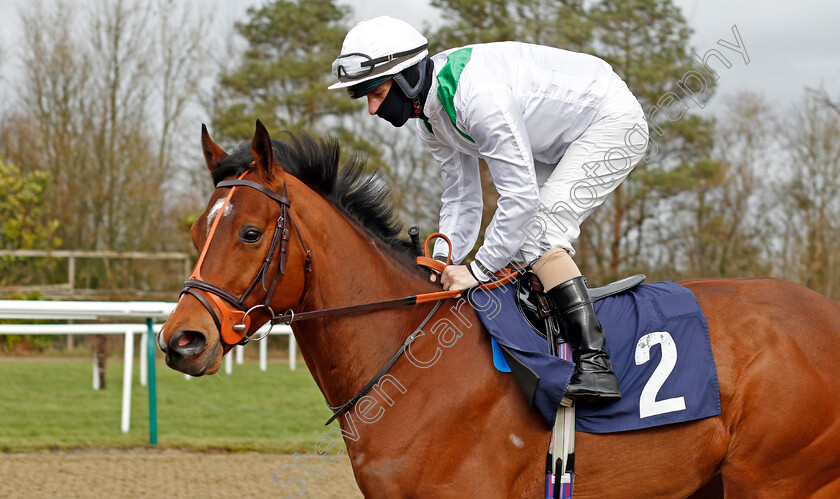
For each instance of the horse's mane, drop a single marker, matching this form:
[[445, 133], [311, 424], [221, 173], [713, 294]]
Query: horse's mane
[[363, 196]]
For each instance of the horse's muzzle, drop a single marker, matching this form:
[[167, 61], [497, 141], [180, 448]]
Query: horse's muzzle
[[185, 350]]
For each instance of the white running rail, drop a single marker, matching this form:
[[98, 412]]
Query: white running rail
[[93, 310]]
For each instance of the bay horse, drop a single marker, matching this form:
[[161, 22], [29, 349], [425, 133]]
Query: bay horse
[[443, 422]]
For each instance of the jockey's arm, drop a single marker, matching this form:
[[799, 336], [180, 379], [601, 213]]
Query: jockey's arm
[[461, 201], [496, 124]]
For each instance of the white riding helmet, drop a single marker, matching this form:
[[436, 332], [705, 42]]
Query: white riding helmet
[[378, 47]]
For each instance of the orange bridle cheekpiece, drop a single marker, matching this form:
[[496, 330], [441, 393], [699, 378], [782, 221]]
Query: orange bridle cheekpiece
[[235, 322]]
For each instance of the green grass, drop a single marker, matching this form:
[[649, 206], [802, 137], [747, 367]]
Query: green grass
[[51, 405]]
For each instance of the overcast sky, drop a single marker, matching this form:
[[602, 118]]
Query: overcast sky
[[790, 45]]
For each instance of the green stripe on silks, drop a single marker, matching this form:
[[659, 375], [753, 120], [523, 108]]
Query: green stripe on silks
[[448, 83]]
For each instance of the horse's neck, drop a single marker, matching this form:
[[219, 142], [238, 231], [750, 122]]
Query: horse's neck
[[443, 384], [344, 351]]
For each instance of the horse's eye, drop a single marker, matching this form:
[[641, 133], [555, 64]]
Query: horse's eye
[[249, 234]]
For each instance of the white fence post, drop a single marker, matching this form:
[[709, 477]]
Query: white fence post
[[228, 364], [264, 354], [96, 371], [128, 371], [292, 352], [240, 354], [144, 359]]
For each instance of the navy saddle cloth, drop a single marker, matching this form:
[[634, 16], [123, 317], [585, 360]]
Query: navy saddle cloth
[[657, 338]]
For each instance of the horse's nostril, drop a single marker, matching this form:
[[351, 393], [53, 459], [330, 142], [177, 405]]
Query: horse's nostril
[[160, 343], [187, 343]]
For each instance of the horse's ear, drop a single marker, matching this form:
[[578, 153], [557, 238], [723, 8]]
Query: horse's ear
[[213, 154], [261, 150]]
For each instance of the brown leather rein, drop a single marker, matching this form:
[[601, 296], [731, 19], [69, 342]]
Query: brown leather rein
[[234, 325]]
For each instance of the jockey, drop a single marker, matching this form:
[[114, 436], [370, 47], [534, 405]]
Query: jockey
[[558, 130]]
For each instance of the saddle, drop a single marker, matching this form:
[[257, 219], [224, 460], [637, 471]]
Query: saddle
[[649, 328], [538, 312], [536, 308]]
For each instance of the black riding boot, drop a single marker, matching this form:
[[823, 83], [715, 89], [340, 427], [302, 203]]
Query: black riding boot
[[593, 380]]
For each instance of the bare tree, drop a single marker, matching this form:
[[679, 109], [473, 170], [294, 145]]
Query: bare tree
[[101, 105], [730, 234], [184, 68], [809, 196], [822, 97], [48, 131], [122, 143], [3, 80]]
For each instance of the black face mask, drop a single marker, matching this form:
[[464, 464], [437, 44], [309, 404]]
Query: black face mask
[[396, 108]]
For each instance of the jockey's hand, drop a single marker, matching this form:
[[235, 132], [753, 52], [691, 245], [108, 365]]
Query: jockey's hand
[[457, 278]]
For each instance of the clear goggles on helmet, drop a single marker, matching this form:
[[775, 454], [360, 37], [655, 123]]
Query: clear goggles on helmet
[[349, 67]]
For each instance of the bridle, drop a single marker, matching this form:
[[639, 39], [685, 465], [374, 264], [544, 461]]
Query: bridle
[[235, 321]]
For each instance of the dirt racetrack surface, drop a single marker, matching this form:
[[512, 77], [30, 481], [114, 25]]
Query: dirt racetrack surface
[[150, 473]]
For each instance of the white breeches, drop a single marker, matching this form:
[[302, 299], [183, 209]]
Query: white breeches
[[591, 168]]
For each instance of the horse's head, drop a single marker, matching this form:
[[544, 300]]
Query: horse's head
[[252, 257]]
